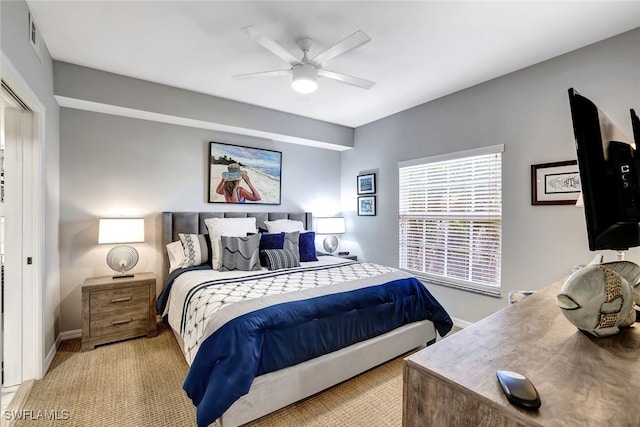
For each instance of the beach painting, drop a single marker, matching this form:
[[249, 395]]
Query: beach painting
[[243, 174]]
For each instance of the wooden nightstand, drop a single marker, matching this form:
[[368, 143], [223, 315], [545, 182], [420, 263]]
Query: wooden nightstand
[[116, 309]]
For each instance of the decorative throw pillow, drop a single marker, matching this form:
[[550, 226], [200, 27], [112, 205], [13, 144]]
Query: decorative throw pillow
[[291, 242], [284, 225], [175, 251], [195, 249], [275, 259], [240, 253], [232, 227], [307, 244], [272, 241]]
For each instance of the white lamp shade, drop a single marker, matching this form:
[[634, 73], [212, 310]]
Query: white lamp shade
[[121, 230], [334, 225]]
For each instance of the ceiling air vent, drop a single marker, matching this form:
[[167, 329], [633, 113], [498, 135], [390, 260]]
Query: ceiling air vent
[[35, 39]]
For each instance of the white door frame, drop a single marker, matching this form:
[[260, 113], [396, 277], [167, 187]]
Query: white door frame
[[33, 224]]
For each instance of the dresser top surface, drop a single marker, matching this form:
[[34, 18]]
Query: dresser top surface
[[579, 378]]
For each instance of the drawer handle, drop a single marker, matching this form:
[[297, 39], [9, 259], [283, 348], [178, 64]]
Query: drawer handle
[[123, 299], [121, 322]]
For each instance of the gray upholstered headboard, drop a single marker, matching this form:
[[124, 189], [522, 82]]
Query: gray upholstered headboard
[[174, 223]]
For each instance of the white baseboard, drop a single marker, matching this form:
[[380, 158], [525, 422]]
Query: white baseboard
[[50, 355], [461, 323], [77, 333], [69, 335]]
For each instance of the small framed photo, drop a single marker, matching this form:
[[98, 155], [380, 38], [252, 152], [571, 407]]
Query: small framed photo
[[367, 206], [367, 183], [555, 183]]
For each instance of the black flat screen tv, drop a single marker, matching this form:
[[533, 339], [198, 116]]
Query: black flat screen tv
[[635, 124], [609, 174]]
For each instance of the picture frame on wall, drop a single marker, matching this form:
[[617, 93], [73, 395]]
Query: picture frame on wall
[[367, 206], [555, 183], [244, 175], [367, 183]]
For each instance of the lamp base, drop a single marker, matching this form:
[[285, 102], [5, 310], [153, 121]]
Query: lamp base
[[330, 244], [122, 259]]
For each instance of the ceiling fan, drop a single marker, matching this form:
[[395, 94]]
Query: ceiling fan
[[305, 71]]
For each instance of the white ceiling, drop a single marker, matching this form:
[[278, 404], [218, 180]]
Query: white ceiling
[[420, 50]]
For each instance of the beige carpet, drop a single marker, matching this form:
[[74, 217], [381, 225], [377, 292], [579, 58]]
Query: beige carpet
[[139, 383]]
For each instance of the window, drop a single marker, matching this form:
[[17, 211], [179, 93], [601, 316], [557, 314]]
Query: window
[[451, 218]]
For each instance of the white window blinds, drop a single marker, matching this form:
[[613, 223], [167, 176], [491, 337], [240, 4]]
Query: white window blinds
[[451, 218]]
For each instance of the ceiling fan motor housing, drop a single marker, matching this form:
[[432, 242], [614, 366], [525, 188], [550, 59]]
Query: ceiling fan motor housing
[[305, 77]]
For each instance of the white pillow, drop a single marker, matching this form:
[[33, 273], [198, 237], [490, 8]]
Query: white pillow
[[232, 227], [195, 249], [175, 250], [284, 225]]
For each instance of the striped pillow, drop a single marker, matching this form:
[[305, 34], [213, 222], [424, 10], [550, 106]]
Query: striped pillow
[[196, 251], [276, 259], [240, 253]]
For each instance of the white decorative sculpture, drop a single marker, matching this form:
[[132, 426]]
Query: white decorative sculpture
[[599, 298]]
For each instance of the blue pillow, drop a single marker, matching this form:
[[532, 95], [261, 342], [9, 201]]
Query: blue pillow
[[307, 245], [271, 241]]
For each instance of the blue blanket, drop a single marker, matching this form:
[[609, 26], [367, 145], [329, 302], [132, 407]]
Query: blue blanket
[[286, 334]]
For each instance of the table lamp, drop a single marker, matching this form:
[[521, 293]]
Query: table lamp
[[121, 258], [331, 226]]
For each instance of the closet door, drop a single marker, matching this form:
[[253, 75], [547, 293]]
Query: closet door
[[17, 126]]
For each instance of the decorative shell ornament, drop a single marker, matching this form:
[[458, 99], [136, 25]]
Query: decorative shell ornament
[[599, 298]]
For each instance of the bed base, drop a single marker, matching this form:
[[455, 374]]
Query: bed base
[[278, 389]]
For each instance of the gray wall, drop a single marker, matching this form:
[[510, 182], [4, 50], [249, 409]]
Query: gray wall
[[75, 83], [117, 166], [528, 112], [39, 77]]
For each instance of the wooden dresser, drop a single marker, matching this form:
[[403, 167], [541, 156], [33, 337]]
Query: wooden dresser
[[116, 309], [582, 381]]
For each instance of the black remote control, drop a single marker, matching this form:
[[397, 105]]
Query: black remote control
[[519, 389]]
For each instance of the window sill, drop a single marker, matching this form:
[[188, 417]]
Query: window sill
[[428, 279]]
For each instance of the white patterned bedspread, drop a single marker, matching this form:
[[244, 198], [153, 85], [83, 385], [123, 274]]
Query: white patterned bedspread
[[236, 293]]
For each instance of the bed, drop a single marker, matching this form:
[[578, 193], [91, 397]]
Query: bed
[[251, 356]]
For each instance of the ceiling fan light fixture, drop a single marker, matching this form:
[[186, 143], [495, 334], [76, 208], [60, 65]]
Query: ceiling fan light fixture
[[305, 78]]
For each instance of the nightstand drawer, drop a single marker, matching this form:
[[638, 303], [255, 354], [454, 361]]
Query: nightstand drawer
[[119, 299], [113, 323]]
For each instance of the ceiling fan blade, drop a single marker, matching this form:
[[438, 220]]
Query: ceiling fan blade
[[274, 73], [344, 78], [354, 41], [271, 45]]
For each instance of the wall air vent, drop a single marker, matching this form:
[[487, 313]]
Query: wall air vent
[[35, 38]]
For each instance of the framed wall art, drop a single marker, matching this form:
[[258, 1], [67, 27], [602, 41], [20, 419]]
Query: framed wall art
[[367, 183], [244, 175], [367, 206], [555, 183]]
